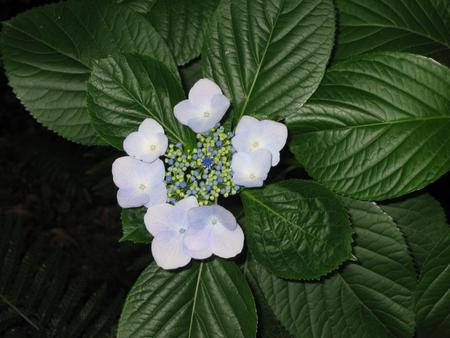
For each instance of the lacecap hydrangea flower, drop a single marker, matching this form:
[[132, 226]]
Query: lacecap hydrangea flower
[[181, 190]]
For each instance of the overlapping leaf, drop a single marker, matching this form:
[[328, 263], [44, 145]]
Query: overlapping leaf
[[269, 56], [139, 6], [48, 53], [125, 89], [133, 226], [377, 127], [416, 26], [208, 299], [182, 24], [297, 229], [433, 292], [422, 221], [372, 297]]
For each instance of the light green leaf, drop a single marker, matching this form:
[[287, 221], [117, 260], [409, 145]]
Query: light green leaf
[[133, 226], [372, 297], [182, 24], [416, 26], [139, 6], [377, 127], [123, 90], [297, 229], [48, 53], [270, 55], [208, 299], [422, 220], [433, 293]]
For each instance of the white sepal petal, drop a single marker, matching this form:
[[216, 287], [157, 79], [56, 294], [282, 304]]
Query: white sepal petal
[[250, 169], [168, 251]]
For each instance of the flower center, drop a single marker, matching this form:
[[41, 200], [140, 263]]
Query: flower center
[[255, 144], [252, 176], [214, 220], [142, 186], [152, 147], [182, 230], [203, 172], [206, 114]]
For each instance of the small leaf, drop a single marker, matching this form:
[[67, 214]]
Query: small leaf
[[415, 26], [48, 54], [208, 299], [125, 89], [182, 24], [422, 221], [133, 226], [370, 298], [297, 229], [433, 292], [377, 127], [270, 55]]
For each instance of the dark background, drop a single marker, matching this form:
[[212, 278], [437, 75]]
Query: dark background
[[63, 192]]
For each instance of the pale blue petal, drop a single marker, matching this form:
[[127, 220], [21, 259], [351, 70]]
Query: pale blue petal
[[187, 203], [125, 171], [150, 127], [131, 198], [185, 111], [251, 169], [226, 243], [201, 124], [276, 133], [160, 218], [168, 251], [246, 124], [219, 106], [152, 173], [203, 92], [197, 243], [157, 194]]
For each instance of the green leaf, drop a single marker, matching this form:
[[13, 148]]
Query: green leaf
[[372, 297], [133, 226], [123, 90], [182, 24], [416, 26], [208, 299], [190, 74], [139, 6], [48, 53], [433, 292], [422, 220], [377, 127], [270, 55], [297, 229]]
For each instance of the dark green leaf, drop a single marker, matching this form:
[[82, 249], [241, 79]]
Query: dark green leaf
[[372, 297], [139, 6], [416, 26], [297, 229], [190, 74], [270, 55], [208, 299], [48, 53], [133, 226], [182, 24], [123, 90], [377, 127], [433, 292], [422, 221]]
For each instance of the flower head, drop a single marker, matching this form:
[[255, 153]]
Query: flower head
[[139, 183], [168, 224], [252, 134], [213, 230], [250, 169], [148, 143], [204, 108]]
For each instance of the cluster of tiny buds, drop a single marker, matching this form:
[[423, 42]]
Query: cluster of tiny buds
[[204, 171]]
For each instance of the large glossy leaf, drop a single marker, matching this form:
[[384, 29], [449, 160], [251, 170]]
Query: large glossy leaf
[[416, 26], [139, 6], [209, 299], [433, 293], [133, 227], [269, 55], [372, 297], [297, 229], [422, 220], [123, 90], [377, 127], [182, 24], [48, 53]]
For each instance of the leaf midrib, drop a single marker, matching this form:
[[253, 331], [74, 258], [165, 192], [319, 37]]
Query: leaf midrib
[[194, 302], [384, 123], [17, 310]]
